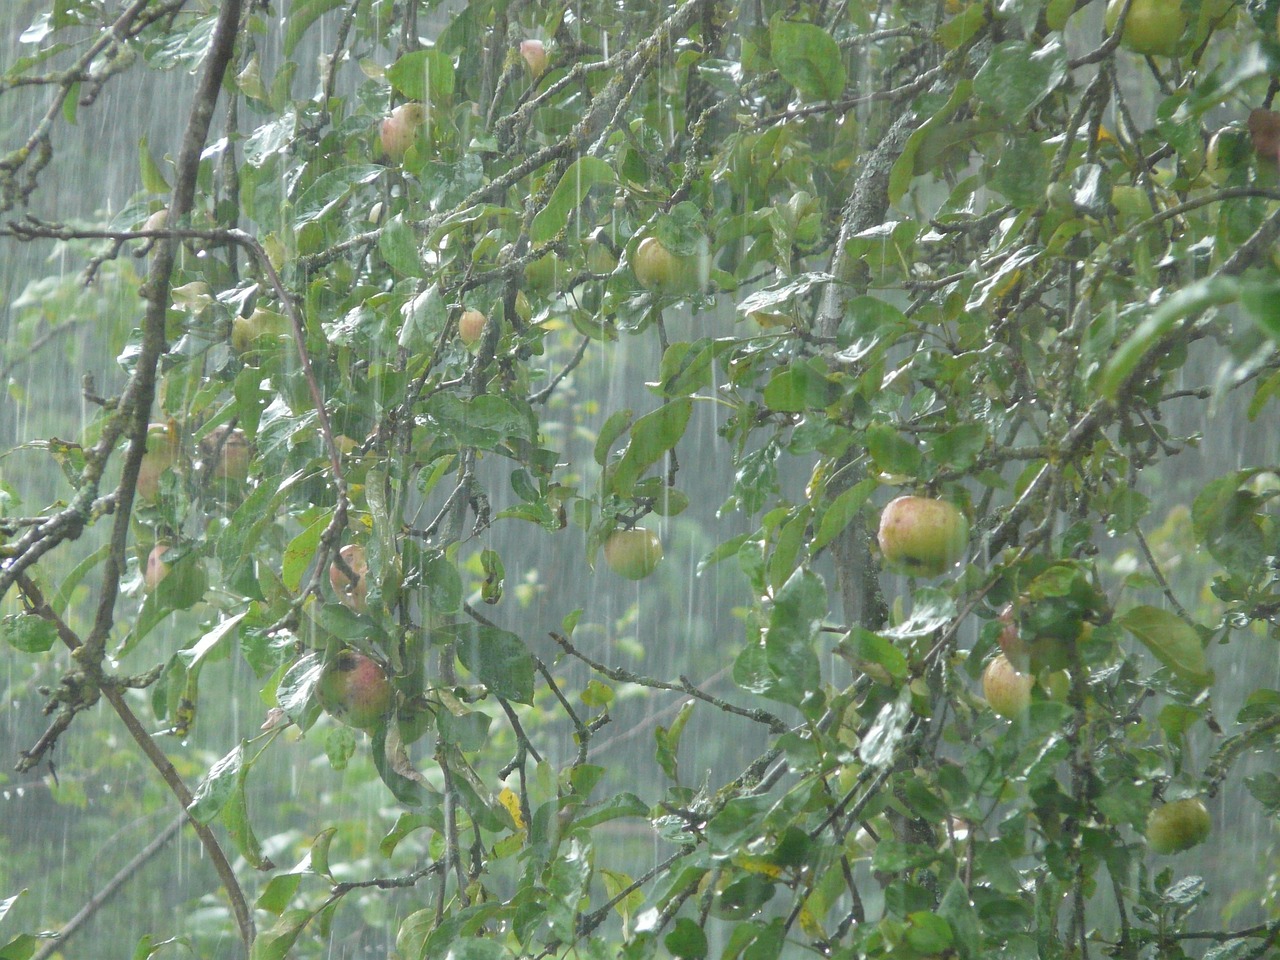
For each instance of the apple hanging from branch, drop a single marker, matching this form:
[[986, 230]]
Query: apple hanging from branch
[[356, 690], [352, 593], [922, 536], [633, 553]]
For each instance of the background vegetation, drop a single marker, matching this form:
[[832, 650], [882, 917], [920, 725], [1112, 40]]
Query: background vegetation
[[1001, 254]]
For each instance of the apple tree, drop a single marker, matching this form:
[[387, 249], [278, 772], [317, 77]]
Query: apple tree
[[671, 479]]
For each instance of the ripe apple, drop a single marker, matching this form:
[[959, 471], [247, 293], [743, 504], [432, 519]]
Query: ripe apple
[[1177, 826], [921, 536], [355, 689], [633, 553], [657, 268], [400, 129], [1152, 27], [156, 569], [535, 57], [1007, 691], [352, 594], [231, 449], [471, 326], [247, 331], [162, 453]]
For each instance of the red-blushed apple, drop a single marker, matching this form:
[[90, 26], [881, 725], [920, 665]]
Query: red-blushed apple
[[1179, 825], [535, 57], [471, 326], [633, 553], [922, 536], [229, 451], [156, 568], [1152, 27], [352, 594], [161, 455], [1007, 691], [355, 689], [400, 129]]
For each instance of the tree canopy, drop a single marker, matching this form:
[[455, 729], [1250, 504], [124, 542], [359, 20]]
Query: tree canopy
[[678, 479]]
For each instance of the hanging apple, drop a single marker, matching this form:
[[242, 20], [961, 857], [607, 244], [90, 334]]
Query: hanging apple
[[400, 129], [471, 326], [633, 553], [229, 450], [352, 594], [921, 536], [1153, 27], [535, 57], [355, 689], [156, 568], [1007, 691], [1179, 825], [657, 268], [161, 455]]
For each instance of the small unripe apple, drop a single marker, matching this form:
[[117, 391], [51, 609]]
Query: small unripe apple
[[1007, 691], [1153, 27], [262, 323], [400, 129], [156, 569], [162, 453], [633, 553], [535, 57], [921, 536], [471, 326], [352, 594], [1177, 826], [355, 689], [231, 449], [657, 268]]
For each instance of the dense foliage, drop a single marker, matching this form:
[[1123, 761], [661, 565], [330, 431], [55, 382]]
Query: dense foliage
[[422, 311]]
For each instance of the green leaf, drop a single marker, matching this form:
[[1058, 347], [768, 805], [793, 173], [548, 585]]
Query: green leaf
[[686, 940], [301, 551], [21, 947], [800, 387], [275, 942], [152, 177], [28, 633], [1187, 302], [840, 513], [302, 14], [808, 58], [957, 909], [583, 174], [892, 452], [398, 245], [651, 437], [618, 423], [1018, 75], [426, 76], [668, 741], [217, 786], [1175, 643], [497, 658]]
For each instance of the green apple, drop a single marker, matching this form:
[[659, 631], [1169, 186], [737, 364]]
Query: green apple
[[400, 129], [534, 53], [657, 268], [355, 689], [471, 326], [1177, 826], [1153, 27], [922, 536], [633, 553], [161, 455], [352, 594], [1007, 691]]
